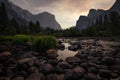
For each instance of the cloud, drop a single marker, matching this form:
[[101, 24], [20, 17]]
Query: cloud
[[66, 11]]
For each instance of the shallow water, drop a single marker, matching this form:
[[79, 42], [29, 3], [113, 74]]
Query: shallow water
[[63, 54]]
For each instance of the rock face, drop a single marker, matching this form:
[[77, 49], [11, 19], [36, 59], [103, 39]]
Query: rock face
[[46, 19], [86, 21], [95, 16]]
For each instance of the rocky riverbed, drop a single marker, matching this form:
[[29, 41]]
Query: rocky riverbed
[[72, 60]]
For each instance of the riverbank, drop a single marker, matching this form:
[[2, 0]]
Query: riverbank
[[92, 61]]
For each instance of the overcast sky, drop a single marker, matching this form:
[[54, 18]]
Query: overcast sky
[[67, 12]]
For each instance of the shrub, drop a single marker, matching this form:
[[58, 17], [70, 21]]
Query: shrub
[[20, 39], [2, 39], [5, 38], [44, 42]]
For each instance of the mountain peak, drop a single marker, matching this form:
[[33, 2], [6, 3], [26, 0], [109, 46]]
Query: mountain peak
[[116, 6], [46, 19]]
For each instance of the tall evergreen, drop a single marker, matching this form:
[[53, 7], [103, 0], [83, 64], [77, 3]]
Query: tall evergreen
[[3, 18]]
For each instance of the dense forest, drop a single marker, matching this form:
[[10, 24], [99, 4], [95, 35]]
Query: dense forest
[[8, 26]]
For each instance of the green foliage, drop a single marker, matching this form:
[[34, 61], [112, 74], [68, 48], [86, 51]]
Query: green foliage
[[2, 38], [34, 28], [5, 38], [43, 43], [20, 39]]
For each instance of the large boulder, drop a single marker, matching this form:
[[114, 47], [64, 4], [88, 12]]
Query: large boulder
[[53, 62], [73, 60], [19, 78], [52, 53], [60, 68], [91, 76], [36, 76], [46, 68], [105, 74], [75, 74], [28, 61], [32, 69], [5, 54], [108, 61], [92, 70]]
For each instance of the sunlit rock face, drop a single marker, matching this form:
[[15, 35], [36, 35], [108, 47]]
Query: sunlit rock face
[[46, 19], [95, 16]]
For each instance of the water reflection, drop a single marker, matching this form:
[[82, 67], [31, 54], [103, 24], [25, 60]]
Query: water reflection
[[63, 54]]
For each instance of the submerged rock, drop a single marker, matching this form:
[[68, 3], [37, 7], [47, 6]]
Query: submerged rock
[[61, 46], [73, 48]]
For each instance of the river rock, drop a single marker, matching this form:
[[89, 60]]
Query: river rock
[[51, 77], [91, 76], [73, 60], [5, 78], [47, 68], [92, 70], [105, 74], [61, 46], [114, 75], [53, 62], [36, 76], [108, 61], [32, 70], [117, 61], [82, 56], [26, 60], [64, 65], [52, 53], [73, 48], [84, 65], [75, 74], [54, 77], [5, 54], [3, 48], [59, 70], [19, 78]]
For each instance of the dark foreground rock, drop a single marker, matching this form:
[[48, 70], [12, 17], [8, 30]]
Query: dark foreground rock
[[52, 53], [91, 62], [36, 76], [73, 60]]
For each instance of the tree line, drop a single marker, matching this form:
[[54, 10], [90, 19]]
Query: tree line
[[13, 26]]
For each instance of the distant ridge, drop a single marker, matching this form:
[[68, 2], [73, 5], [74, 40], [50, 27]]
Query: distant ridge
[[95, 15], [46, 19]]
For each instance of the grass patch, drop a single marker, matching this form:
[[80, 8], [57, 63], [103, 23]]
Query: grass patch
[[40, 43], [5, 38], [20, 39], [44, 42]]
